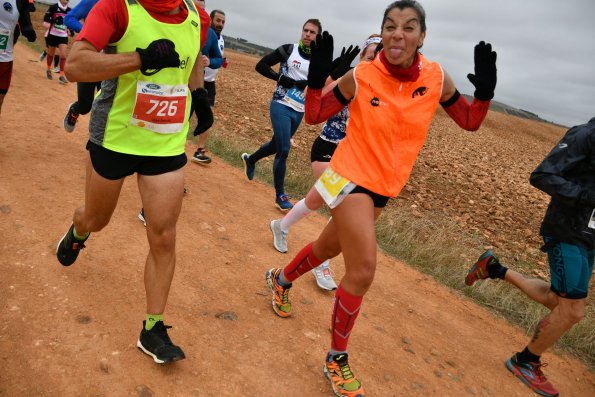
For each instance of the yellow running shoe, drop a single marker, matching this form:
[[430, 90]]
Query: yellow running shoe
[[342, 380], [280, 301]]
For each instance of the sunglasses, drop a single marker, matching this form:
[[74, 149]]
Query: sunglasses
[[7, 7]]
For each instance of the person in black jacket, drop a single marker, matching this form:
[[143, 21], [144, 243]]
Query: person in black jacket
[[14, 21], [567, 174]]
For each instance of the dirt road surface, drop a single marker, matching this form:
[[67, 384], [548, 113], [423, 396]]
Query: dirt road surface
[[72, 331]]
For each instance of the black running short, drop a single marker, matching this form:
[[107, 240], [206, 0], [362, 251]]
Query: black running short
[[113, 165], [55, 41], [322, 150], [211, 92], [379, 200]]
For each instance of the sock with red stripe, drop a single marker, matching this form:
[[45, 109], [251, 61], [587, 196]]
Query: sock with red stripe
[[345, 310], [303, 262]]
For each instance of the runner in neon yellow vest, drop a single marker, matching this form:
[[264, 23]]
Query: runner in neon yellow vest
[[145, 52]]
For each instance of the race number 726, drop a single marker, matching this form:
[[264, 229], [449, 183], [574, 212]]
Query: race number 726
[[164, 108]]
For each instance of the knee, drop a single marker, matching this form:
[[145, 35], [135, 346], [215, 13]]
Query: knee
[[362, 274], [162, 239], [573, 313]]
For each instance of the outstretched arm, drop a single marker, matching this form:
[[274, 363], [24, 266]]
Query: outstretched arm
[[470, 117]]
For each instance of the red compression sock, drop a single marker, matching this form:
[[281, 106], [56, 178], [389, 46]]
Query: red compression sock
[[303, 262], [345, 310]]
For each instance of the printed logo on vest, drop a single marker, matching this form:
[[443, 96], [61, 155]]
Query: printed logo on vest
[[421, 91], [296, 64], [194, 24]]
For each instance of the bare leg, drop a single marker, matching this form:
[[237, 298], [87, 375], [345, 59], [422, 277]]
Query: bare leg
[[101, 197], [202, 139], [567, 313], [351, 231], [162, 202], [534, 288]]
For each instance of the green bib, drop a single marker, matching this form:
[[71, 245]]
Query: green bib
[[149, 114]]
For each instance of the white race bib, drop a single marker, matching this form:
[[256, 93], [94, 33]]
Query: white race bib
[[333, 188], [160, 108], [295, 98]]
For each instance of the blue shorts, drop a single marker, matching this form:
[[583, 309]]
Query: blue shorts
[[571, 268]]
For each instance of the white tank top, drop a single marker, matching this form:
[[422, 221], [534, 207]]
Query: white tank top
[[8, 21]]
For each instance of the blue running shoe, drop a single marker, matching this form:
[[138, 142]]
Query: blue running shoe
[[531, 375], [248, 166], [282, 202]]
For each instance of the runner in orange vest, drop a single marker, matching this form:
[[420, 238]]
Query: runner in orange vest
[[392, 101]]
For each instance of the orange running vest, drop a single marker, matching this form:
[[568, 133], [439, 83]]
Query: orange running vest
[[387, 127]]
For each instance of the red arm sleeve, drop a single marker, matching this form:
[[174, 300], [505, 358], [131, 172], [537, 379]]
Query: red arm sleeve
[[468, 117], [320, 107], [205, 23]]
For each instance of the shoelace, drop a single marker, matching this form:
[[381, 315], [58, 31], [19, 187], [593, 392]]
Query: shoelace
[[538, 372], [345, 371]]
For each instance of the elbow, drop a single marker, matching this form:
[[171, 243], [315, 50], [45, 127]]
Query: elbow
[[71, 71]]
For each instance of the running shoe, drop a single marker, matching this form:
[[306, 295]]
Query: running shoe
[[280, 300], [62, 80], [71, 117], [141, 216], [42, 56], [200, 157], [324, 276], [156, 343], [48, 74], [338, 372], [249, 167], [279, 236], [531, 375], [479, 270], [56, 69], [69, 247], [282, 202]]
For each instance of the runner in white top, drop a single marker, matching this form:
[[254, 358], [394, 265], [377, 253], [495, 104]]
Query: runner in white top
[[14, 20]]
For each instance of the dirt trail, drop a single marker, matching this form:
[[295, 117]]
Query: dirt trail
[[72, 331]]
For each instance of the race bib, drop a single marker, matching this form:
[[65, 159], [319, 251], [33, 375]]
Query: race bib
[[296, 98], [592, 220], [160, 108], [333, 188], [4, 37]]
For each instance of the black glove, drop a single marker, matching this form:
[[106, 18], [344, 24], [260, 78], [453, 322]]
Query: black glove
[[158, 55], [301, 84], [202, 108], [342, 64], [29, 33], [484, 78], [286, 82], [321, 60], [59, 20]]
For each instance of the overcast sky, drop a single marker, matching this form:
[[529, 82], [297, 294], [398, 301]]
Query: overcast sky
[[546, 49]]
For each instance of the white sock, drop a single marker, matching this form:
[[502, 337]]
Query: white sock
[[299, 211]]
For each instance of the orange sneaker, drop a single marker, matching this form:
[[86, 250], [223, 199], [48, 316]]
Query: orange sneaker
[[342, 380], [280, 301]]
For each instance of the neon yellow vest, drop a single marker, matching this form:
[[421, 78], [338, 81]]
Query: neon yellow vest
[[149, 114]]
